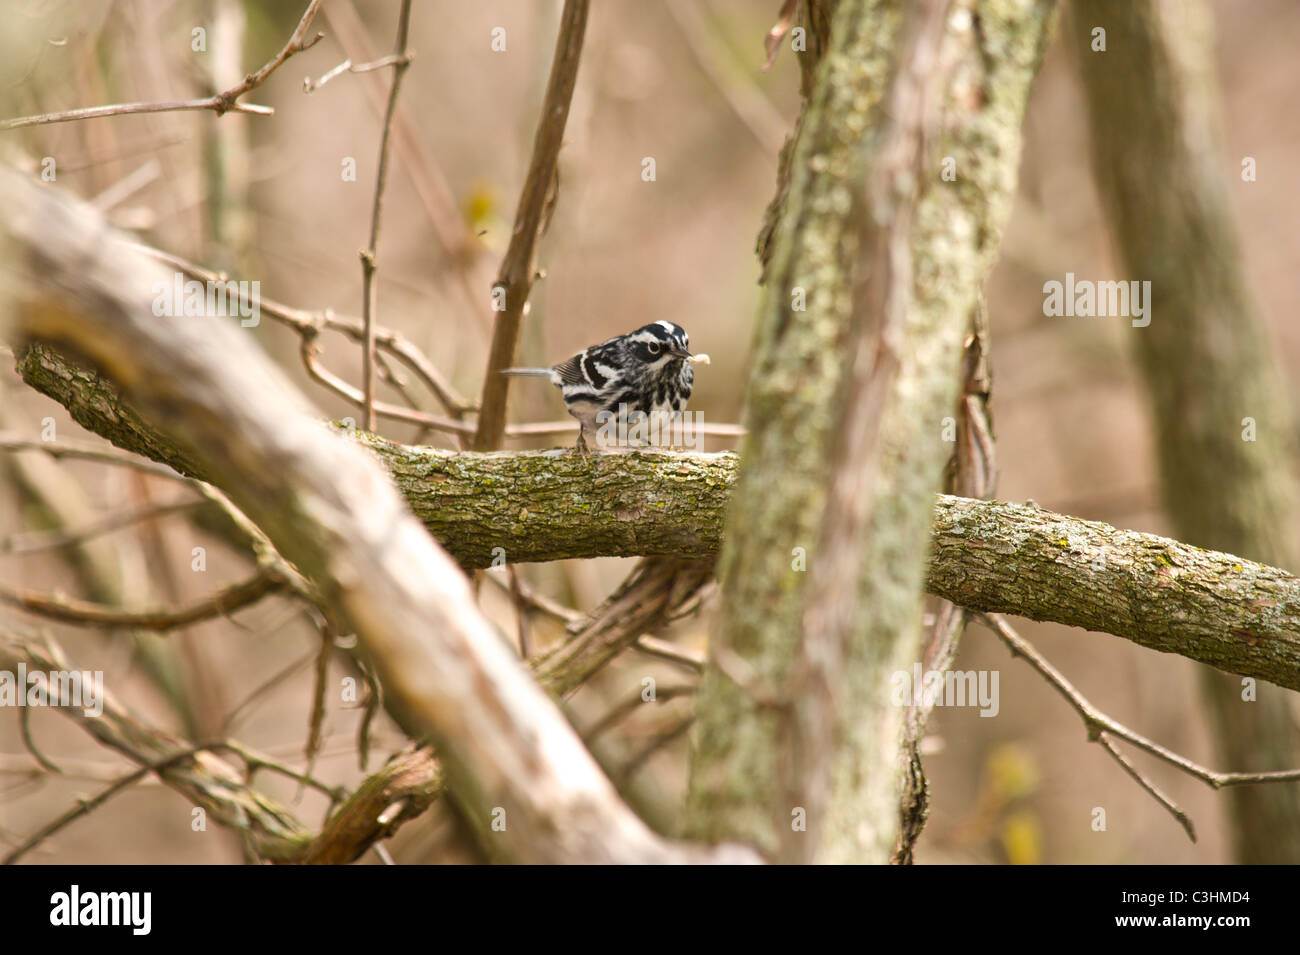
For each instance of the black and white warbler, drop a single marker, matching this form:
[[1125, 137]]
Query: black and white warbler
[[647, 371]]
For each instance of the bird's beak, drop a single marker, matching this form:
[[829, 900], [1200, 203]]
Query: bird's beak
[[679, 352]]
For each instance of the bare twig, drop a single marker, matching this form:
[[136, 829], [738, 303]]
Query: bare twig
[[537, 601], [464, 250], [319, 689], [370, 707], [266, 687], [754, 110], [633, 703], [369, 260], [660, 740], [25, 727], [1100, 727], [654, 647], [772, 41], [1175, 810], [310, 359], [81, 613], [220, 103], [309, 324], [27, 542], [254, 761], [62, 449], [393, 59], [972, 472], [515, 280], [86, 806], [653, 592], [521, 610]]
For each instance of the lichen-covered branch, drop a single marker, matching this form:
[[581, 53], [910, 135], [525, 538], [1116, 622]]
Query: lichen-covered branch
[[1233, 613], [845, 399], [513, 507], [1219, 609], [325, 505]]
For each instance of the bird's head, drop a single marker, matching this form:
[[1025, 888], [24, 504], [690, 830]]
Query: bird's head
[[659, 343]]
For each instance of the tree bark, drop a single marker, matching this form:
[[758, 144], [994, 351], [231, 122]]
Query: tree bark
[[845, 403], [1233, 613], [523, 779]]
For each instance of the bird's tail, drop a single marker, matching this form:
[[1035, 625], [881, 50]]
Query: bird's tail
[[528, 372]]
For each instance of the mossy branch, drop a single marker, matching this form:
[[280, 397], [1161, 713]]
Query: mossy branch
[[1229, 612]]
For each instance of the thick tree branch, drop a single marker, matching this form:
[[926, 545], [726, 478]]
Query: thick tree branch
[[327, 507], [872, 266], [1227, 611]]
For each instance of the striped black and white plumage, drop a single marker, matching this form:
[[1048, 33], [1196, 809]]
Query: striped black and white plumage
[[648, 371]]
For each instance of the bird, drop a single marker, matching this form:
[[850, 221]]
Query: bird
[[647, 371]]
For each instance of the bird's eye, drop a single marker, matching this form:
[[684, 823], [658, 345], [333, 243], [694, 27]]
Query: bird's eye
[[654, 348]]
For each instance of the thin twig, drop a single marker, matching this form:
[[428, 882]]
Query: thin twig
[[1175, 810], [308, 323], [374, 699], [393, 59], [25, 543], [25, 727], [265, 688], [87, 806], [369, 260], [265, 581], [310, 352], [652, 646], [515, 279], [220, 103], [754, 110], [464, 251], [61, 449], [630, 705], [317, 721], [642, 756], [537, 601], [521, 610], [1098, 724], [253, 761]]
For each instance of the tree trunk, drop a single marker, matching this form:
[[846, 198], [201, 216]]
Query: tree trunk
[[1157, 159], [845, 401]]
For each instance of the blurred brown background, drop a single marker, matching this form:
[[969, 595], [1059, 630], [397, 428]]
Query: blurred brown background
[[678, 82]]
